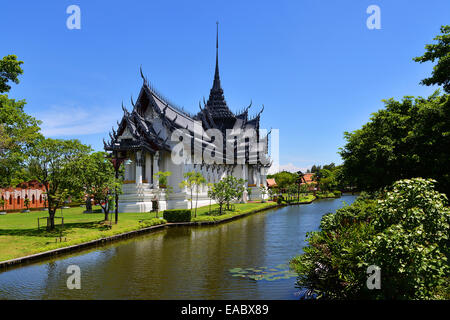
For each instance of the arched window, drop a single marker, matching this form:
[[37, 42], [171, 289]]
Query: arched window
[[40, 198], [10, 198], [18, 200], [32, 199]]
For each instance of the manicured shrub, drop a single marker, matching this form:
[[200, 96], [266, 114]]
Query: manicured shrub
[[177, 215], [279, 200]]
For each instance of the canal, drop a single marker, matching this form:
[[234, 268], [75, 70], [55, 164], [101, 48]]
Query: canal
[[243, 259]]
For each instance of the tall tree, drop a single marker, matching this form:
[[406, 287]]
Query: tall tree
[[406, 139], [18, 130], [55, 163], [439, 51], [98, 179], [9, 71]]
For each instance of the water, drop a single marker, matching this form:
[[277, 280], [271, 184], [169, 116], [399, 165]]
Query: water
[[182, 262]]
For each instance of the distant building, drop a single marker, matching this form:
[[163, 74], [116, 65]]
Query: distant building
[[15, 197], [271, 183], [309, 180]]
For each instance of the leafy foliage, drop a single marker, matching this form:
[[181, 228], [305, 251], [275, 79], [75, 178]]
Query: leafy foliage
[[440, 52], [409, 138], [405, 233], [263, 273], [55, 163], [177, 215], [97, 179], [9, 71], [284, 179], [227, 190], [194, 180], [18, 133]]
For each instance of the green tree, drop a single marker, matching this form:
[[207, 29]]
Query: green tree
[[55, 163], [18, 133], [249, 193], [408, 138], [9, 71], [440, 52], [263, 191], [284, 179], [98, 180], [227, 190], [194, 180], [199, 180], [189, 184], [403, 231], [162, 177], [26, 202]]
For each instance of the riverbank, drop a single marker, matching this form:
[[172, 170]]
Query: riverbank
[[21, 241]]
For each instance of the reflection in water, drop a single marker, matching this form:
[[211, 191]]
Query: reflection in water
[[182, 262]]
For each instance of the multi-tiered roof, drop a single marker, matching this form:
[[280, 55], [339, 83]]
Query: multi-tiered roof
[[153, 118]]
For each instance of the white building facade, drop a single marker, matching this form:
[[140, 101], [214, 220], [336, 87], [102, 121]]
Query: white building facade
[[156, 136]]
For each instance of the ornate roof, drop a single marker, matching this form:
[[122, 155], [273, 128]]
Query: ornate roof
[[153, 117]]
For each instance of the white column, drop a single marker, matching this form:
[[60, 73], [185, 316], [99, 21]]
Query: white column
[[148, 167], [245, 174], [156, 169], [258, 178], [138, 167]]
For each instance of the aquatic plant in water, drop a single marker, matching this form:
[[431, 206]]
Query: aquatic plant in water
[[281, 271]]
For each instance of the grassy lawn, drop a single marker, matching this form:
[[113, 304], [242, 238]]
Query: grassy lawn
[[239, 208], [19, 235], [304, 198]]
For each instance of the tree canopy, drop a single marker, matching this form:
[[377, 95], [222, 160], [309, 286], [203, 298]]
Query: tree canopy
[[18, 130], [439, 52], [55, 163], [9, 71], [408, 138]]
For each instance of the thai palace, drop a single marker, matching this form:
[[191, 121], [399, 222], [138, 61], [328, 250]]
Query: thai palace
[[158, 136]]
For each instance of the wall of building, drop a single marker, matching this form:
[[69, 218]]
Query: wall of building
[[15, 197]]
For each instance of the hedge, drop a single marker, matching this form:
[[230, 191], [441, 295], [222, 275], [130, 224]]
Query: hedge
[[177, 215]]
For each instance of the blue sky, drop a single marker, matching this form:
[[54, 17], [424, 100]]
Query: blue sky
[[315, 65]]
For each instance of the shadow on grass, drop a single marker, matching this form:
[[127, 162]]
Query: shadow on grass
[[58, 231]]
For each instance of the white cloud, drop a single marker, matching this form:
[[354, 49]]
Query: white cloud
[[71, 120]]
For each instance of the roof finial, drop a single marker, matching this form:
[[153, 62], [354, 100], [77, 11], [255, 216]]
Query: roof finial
[[216, 84]]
